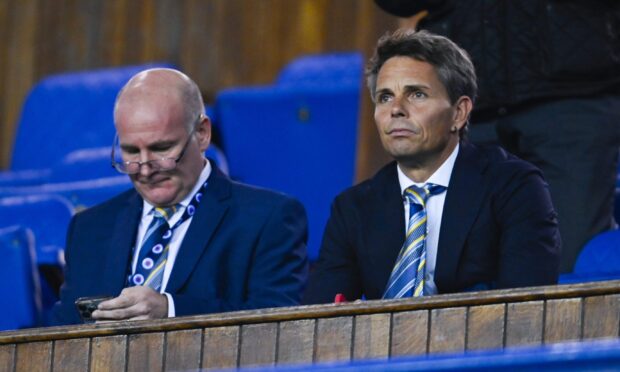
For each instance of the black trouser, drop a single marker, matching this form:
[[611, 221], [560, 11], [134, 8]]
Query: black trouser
[[575, 143]]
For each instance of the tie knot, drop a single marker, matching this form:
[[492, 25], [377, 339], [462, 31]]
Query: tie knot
[[419, 195], [164, 213]]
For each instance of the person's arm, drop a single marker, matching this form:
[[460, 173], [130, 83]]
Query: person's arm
[[530, 242], [279, 266], [64, 311], [336, 271], [408, 8]]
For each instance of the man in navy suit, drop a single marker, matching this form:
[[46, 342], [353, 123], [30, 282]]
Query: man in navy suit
[[228, 246], [488, 221]]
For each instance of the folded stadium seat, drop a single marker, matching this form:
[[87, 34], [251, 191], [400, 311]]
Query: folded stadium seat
[[64, 113], [599, 260], [297, 136], [19, 280], [47, 216]]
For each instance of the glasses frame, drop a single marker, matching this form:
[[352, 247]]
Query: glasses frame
[[119, 166]]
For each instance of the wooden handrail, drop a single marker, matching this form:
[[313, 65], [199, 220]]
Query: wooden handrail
[[313, 312]]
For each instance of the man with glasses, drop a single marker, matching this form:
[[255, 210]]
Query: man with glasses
[[187, 240]]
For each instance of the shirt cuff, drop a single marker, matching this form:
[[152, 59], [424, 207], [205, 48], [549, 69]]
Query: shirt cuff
[[171, 310]]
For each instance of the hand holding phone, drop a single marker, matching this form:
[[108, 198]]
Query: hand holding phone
[[86, 306]]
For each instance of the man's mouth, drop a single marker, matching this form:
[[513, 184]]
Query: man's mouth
[[399, 127], [402, 131], [399, 131], [151, 181]]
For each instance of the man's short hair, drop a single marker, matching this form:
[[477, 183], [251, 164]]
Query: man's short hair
[[452, 64]]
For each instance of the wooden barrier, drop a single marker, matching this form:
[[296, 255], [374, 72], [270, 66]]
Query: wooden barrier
[[370, 329]]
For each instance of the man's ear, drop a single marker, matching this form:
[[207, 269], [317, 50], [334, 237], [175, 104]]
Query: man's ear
[[463, 107], [203, 131]]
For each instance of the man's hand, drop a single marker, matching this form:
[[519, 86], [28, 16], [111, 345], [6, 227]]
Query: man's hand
[[134, 303]]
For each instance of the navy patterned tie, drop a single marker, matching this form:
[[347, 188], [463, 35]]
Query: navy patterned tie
[[407, 278], [153, 253]]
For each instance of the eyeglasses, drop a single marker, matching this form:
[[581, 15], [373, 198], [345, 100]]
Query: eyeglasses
[[160, 164]]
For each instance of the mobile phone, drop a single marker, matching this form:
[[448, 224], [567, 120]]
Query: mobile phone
[[86, 306]]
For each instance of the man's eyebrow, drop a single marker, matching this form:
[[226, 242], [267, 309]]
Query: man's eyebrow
[[164, 144], [159, 145], [413, 87], [382, 90]]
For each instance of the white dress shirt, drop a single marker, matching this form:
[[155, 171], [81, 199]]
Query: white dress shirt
[[177, 236], [434, 212]]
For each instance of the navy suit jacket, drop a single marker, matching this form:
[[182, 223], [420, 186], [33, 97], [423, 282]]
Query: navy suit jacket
[[498, 230], [245, 248]]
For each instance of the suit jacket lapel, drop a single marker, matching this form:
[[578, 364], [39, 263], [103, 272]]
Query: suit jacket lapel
[[209, 213], [386, 225], [463, 201], [122, 241]]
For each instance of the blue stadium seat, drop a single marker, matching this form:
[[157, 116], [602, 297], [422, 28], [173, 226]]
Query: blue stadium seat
[[297, 136], [217, 155], [67, 112], [319, 70], [64, 113], [617, 196], [46, 215], [599, 260], [19, 281]]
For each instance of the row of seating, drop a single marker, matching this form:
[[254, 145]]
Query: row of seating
[[60, 162], [297, 135]]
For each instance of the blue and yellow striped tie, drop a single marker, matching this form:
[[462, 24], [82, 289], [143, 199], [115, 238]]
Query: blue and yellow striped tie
[[154, 251], [407, 278]]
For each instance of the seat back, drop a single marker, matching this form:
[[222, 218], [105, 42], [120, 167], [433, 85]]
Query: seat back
[[19, 280], [598, 260], [66, 112], [600, 256], [319, 70], [47, 216], [296, 138]]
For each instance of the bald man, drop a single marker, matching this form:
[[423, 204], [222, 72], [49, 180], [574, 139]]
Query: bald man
[[186, 240]]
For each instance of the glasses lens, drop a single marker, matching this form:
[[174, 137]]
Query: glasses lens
[[163, 164], [126, 168]]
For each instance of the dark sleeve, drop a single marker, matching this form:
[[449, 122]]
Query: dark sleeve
[[530, 242], [336, 270], [64, 311], [278, 270], [408, 8]]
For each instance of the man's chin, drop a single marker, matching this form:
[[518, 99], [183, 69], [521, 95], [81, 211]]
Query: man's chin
[[157, 196]]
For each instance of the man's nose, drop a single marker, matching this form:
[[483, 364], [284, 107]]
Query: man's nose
[[398, 108], [145, 165], [145, 169]]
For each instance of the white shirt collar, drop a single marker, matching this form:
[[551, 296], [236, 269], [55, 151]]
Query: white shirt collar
[[147, 207], [440, 177]]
